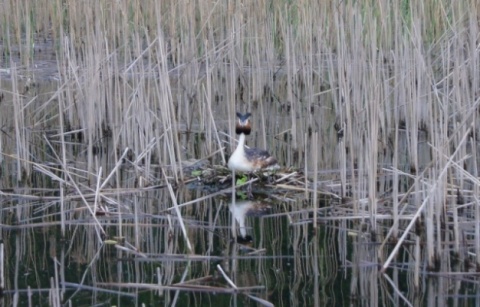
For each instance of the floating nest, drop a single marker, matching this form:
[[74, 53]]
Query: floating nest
[[282, 184]]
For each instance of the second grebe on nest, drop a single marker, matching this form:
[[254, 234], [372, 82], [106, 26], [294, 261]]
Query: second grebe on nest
[[247, 159]]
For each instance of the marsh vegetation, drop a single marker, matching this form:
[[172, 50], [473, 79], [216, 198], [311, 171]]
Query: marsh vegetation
[[117, 119]]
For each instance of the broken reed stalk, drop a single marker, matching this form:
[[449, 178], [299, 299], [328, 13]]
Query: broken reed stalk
[[225, 276], [420, 209], [234, 286], [182, 279], [396, 289], [87, 271], [404, 198], [209, 196]]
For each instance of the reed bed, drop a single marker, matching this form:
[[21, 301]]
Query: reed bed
[[117, 121]]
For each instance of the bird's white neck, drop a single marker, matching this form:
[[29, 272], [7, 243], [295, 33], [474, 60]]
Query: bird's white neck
[[241, 142]]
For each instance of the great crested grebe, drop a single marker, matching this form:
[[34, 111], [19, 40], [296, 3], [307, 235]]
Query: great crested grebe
[[247, 159]]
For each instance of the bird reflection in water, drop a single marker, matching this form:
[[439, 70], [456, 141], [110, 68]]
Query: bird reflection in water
[[240, 209]]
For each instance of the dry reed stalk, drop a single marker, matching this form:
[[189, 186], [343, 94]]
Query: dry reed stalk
[[224, 191], [344, 105], [417, 257], [315, 178], [210, 124], [62, 272], [29, 295], [217, 137], [458, 179], [62, 211], [77, 286], [305, 171], [19, 121], [395, 183], [2, 268], [182, 279], [179, 214], [97, 191], [316, 272], [404, 198], [233, 201], [99, 228], [57, 274], [477, 218], [231, 89], [234, 286], [129, 250], [181, 287], [477, 228], [397, 291], [136, 221], [27, 50], [373, 119], [342, 165], [54, 297], [168, 109], [290, 63], [87, 271], [159, 281], [225, 276], [429, 216]]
